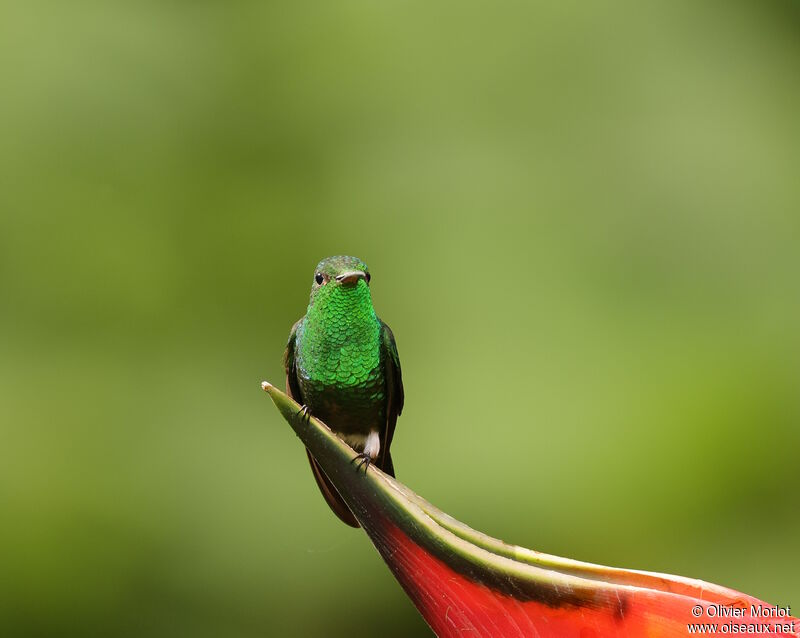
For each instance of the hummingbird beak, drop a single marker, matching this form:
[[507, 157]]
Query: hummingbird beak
[[351, 277]]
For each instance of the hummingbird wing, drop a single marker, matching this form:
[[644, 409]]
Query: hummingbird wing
[[292, 385], [332, 497], [394, 395]]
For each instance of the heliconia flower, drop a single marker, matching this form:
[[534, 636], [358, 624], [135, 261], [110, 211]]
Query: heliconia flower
[[465, 583]]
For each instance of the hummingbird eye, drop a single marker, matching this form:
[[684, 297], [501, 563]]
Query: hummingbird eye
[[319, 278], [368, 277]]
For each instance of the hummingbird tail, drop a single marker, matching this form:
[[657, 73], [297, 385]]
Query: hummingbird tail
[[385, 463], [331, 495]]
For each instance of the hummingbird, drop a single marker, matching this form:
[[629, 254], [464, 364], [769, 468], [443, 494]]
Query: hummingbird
[[342, 366]]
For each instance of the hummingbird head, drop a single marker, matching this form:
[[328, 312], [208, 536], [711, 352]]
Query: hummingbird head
[[340, 275]]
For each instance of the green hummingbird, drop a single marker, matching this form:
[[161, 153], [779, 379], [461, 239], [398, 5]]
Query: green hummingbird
[[342, 366]]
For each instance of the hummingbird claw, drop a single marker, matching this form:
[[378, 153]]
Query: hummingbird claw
[[304, 413], [365, 461]]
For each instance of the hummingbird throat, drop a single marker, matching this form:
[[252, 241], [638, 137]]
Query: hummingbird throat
[[341, 337]]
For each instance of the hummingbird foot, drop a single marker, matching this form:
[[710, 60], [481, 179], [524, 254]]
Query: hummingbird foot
[[365, 461], [304, 413], [372, 447]]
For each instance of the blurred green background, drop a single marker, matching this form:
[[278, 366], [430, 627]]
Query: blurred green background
[[583, 225]]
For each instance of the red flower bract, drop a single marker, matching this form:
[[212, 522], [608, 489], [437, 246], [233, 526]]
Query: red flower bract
[[465, 583]]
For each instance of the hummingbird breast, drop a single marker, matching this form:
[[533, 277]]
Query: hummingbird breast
[[340, 369]]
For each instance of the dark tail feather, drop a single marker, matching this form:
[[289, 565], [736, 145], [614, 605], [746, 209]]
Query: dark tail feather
[[386, 464], [332, 497]]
